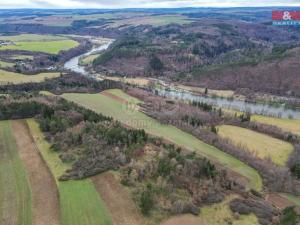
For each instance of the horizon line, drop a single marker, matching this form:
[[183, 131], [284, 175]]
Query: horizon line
[[132, 8]]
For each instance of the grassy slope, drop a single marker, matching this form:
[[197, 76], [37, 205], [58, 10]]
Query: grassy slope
[[261, 145], [79, 201], [15, 193], [17, 78], [110, 107], [291, 125], [88, 59]]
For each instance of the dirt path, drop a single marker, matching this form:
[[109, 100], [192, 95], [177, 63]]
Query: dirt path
[[279, 201], [45, 203], [117, 199], [183, 220], [110, 95]]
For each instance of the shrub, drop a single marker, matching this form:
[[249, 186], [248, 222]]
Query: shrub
[[289, 216], [164, 167], [296, 170], [147, 200], [156, 63]]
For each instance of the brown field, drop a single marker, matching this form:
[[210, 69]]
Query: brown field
[[279, 201], [117, 199], [184, 220], [45, 203]]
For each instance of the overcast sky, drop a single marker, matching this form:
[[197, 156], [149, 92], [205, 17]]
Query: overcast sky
[[141, 3]]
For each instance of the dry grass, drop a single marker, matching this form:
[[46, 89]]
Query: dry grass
[[211, 92], [216, 214], [291, 125], [88, 59], [135, 81], [263, 146]]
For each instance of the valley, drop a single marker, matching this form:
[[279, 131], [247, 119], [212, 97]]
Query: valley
[[148, 116]]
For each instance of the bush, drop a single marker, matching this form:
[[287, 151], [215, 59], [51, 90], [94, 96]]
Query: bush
[[296, 170], [164, 167], [156, 63], [147, 200], [289, 216]]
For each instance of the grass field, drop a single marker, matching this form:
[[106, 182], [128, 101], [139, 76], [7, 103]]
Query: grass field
[[15, 193], [22, 57], [88, 59], [211, 92], [111, 107], [18, 78], [80, 203], [135, 81], [6, 64], [263, 146], [39, 43], [46, 93], [291, 125]]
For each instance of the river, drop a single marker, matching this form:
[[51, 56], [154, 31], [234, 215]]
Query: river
[[73, 63], [175, 93]]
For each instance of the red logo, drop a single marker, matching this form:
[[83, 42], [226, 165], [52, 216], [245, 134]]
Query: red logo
[[286, 15]]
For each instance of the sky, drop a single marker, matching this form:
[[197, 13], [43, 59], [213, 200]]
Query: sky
[[142, 3]]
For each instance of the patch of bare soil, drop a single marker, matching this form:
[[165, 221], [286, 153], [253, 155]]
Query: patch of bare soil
[[45, 201], [122, 208], [183, 220], [279, 201], [110, 95]]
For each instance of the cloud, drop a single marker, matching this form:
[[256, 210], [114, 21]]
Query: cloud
[[142, 3]]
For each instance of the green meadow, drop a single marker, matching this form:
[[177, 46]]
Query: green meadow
[[15, 193], [38, 43], [80, 202]]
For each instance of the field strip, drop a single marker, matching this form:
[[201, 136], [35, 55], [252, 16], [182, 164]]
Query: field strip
[[110, 107], [80, 203], [122, 208], [45, 203], [283, 200], [262, 145], [15, 193], [288, 125], [7, 77]]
